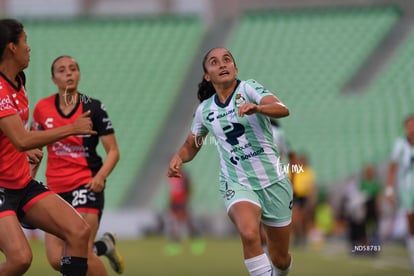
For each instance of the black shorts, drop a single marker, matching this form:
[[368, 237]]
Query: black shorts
[[85, 201], [18, 202]]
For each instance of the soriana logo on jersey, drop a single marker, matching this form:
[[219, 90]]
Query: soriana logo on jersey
[[6, 103]]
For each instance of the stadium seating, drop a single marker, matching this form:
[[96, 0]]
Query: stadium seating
[[134, 66]]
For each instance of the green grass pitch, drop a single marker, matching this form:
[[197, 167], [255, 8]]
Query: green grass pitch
[[223, 256]]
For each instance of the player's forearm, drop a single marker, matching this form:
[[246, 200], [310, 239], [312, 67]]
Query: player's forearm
[[109, 163], [275, 109], [189, 150], [389, 188], [392, 169], [36, 139]]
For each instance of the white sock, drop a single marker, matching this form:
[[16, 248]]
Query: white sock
[[410, 246], [259, 266], [279, 272]]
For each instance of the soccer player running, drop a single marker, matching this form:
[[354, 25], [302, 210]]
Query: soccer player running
[[253, 186], [74, 169], [401, 175], [23, 199]]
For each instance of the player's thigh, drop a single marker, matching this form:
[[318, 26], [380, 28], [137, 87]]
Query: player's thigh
[[54, 215], [246, 217], [242, 204], [93, 221]]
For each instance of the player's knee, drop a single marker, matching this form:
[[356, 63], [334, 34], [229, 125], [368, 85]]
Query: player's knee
[[55, 263], [78, 234], [282, 261], [20, 262], [82, 233], [249, 235]]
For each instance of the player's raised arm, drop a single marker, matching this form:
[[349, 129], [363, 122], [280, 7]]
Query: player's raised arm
[[186, 153], [23, 140]]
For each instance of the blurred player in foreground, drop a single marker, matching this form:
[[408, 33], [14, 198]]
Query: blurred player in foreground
[[23, 199]]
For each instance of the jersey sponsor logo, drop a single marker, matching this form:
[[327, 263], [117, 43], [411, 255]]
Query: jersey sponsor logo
[[6, 103], [74, 151], [240, 148], [210, 117], [108, 123], [49, 122], [252, 154], [91, 196], [229, 112]]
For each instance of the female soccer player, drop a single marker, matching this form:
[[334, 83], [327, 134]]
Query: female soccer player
[[74, 169], [253, 186], [401, 175], [21, 197]]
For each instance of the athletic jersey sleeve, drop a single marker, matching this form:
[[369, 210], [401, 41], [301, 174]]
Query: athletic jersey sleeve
[[100, 119], [255, 91], [197, 127]]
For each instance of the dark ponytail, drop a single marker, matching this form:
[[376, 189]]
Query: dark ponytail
[[205, 90], [10, 31]]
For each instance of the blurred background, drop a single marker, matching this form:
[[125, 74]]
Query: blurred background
[[343, 67]]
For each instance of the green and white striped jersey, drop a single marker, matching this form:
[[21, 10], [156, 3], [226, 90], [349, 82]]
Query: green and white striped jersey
[[403, 155], [248, 155]]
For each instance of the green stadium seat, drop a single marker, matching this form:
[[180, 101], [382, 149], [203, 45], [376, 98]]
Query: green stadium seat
[[134, 66]]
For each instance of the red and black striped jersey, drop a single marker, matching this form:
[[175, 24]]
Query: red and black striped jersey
[[72, 161]]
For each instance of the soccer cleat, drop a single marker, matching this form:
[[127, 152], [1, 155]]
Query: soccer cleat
[[115, 259]]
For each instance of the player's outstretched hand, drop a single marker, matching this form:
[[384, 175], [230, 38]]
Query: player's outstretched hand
[[248, 109], [174, 169], [83, 124]]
